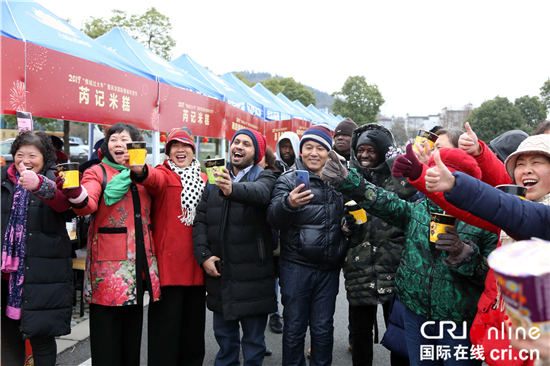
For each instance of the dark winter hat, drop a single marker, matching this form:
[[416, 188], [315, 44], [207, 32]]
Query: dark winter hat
[[345, 127], [181, 134], [319, 133], [507, 143], [376, 138], [458, 160], [258, 140]]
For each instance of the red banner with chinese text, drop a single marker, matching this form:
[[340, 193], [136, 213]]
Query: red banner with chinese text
[[237, 119], [204, 116], [13, 96], [67, 87], [274, 130], [300, 126]]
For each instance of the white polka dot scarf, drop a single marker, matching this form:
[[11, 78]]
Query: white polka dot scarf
[[191, 194]]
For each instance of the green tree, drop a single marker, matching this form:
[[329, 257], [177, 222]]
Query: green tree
[[243, 78], [532, 110], [399, 132], [152, 29], [359, 101], [292, 89], [494, 117], [545, 94]]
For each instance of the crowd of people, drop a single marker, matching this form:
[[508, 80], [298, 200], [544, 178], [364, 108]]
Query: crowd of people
[[234, 244]]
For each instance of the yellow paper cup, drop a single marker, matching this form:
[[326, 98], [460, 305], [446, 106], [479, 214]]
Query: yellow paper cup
[[438, 224], [357, 212], [512, 189], [426, 139], [137, 152], [69, 172]]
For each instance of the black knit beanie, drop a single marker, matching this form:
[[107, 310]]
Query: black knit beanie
[[379, 139]]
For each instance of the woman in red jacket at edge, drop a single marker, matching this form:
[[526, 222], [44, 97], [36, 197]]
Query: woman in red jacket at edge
[[176, 323]]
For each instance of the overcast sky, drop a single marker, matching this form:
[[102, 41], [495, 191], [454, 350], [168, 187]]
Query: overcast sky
[[423, 55]]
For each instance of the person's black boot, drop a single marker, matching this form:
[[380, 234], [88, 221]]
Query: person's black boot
[[275, 324]]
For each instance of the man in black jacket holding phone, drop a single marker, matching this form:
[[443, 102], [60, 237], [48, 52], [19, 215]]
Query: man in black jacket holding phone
[[312, 249], [230, 228]]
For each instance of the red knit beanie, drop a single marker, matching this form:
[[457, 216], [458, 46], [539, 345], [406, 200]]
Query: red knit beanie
[[456, 159], [259, 141]]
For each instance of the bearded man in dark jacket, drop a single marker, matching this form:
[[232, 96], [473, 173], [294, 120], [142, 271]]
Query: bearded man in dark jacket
[[312, 249], [233, 243]]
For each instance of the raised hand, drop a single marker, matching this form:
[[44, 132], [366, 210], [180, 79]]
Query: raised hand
[[407, 165], [439, 178], [421, 154], [334, 172], [69, 193], [468, 141], [223, 180], [297, 198], [450, 242], [350, 223], [28, 180]]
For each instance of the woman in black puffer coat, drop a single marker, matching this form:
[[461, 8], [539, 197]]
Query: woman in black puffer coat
[[40, 308]]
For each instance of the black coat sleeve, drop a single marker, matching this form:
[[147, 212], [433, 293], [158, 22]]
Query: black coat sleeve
[[280, 213], [521, 219], [201, 248], [256, 193]]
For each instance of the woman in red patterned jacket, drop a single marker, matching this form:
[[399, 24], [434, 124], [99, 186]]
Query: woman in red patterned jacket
[[120, 262], [176, 323]]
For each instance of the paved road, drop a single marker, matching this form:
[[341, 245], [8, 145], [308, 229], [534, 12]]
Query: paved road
[[80, 354]]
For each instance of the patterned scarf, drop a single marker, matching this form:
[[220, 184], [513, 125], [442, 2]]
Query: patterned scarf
[[13, 249], [545, 200], [191, 194]]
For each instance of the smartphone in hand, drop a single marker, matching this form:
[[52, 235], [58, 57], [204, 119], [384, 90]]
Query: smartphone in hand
[[302, 177], [219, 265]]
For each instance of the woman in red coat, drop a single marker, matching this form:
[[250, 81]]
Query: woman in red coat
[[120, 261], [176, 323]]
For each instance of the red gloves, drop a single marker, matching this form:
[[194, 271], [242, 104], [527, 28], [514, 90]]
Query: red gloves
[[407, 165], [70, 193]]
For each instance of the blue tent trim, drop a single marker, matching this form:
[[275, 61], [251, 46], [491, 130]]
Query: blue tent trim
[[273, 111], [125, 46], [29, 21], [233, 97]]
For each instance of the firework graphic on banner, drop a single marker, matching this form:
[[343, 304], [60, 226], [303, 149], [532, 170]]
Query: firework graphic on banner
[[36, 58], [17, 96]]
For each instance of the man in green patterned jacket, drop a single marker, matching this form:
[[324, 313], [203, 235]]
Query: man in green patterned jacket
[[375, 247], [439, 287]]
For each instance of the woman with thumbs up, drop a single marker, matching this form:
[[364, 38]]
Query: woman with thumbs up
[[36, 254]]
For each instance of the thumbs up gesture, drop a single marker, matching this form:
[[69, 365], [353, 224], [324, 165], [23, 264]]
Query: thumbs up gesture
[[468, 141], [407, 165], [439, 178], [28, 180]]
